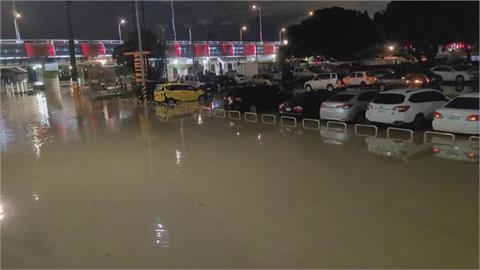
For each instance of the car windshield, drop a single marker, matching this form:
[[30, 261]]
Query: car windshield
[[341, 97], [389, 99], [466, 103]]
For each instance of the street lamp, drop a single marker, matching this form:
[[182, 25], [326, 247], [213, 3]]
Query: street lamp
[[254, 7], [122, 21], [310, 13], [243, 28], [285, 42], [280, 34], [16, 16]]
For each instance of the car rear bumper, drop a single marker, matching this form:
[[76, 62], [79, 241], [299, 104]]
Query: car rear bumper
[[337, 115], [455, 126], [395, 119]]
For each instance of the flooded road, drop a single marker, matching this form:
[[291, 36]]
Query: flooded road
[[101, 184]]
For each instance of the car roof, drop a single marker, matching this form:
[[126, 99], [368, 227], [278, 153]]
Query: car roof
[[470, 95], [407, 91], [356, 91]]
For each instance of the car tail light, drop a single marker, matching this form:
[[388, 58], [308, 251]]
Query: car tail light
[[472, 117], [472, 155], [369, 107], [282, 106], [401, 108], [436, 150], [297, 109], [437, 115], [344, 106], [407, 81], [238, 98], [417, 81]]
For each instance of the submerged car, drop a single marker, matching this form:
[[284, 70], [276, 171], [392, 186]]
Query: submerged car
[[348, 105], [460, 115], [171, 93], [254, 98], [306, 105], [414, 107]]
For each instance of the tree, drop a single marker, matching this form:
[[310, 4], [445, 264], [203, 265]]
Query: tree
[[334, 32], [150, 43]]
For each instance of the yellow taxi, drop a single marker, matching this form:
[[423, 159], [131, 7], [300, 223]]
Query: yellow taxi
[[170, 93]]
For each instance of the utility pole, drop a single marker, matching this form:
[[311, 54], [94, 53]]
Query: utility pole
[[71, 46], [173, 22], [140, 49], [16, 16]]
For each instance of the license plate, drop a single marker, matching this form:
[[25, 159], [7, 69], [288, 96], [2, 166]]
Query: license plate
[[288, 109], [454, 117], [381, 111]]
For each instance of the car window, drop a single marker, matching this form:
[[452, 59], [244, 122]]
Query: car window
[[389, 99], [366, 96], [442, 69], [334, 76], [466, 103], [420, 97], [359, 74], [352, 75], [189, 87], [436, 96], [175, 87], [341, 97], [324, 76]]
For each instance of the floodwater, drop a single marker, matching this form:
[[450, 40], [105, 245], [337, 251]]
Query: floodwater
[[102, 184]]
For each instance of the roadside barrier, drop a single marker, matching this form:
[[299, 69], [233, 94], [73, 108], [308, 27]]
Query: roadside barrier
[[207, 111], [432, 133], [401, 130], [183, 108], [235, 115], [284, 121], [250, 117], [335, 125], [269, 116], [193, 108], [474, 141], [163, 107], [219, 113], [314, 124], [358, 127]]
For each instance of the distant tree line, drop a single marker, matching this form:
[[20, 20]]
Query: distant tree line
[[342, 33]]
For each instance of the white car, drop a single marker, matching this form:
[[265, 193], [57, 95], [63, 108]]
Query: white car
[[360, 78], [460, 115], [405, 106], [329, 81], [240, 78], [303, 72], [450, 74], [262, 79]]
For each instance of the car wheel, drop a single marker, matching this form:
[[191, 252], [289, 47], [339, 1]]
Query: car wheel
[[252, 109], [363, 84], [170, 102], [459, 79], [418, 122], [330, 87], [360, 118], [308, 88], [201, 100], [382, 87]]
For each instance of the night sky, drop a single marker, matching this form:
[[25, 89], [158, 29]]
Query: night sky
[[221, 20]]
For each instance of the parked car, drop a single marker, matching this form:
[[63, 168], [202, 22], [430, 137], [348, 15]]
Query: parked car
[[303, 72], [305, 105], [360, 78], [222, 82], [262, 79], [170, 93], [460, 115], [240, 78], [405, 106], [348, 105], [254, 98], [450, 74], [390, 80], [328, 81], [194, 81]]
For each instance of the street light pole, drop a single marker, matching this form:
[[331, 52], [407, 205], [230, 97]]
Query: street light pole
[[16, 16], [243, 28], [71, 46], [173, 22], [260, 21], [280, 34], [122, 21]]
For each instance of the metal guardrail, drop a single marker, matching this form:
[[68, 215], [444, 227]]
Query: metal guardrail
[[306, 120], [183, 108], [472, 140], [375, 128], [409, 131], [163, 106], [237, 113], [336, 123], [271, 116], [284, 124], [252, 114], [219, 113], [444, 134]]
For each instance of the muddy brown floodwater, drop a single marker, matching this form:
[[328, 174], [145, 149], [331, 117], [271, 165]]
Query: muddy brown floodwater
[[101, 184]]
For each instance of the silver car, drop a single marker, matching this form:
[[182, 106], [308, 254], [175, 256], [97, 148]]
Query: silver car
[[349, 105]]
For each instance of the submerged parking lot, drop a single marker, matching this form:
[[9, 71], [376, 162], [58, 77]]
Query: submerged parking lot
[[105, 183]]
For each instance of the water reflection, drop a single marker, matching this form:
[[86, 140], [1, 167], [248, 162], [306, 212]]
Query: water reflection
[[459, 150], [162, 236], [402, 149], [332, 136]]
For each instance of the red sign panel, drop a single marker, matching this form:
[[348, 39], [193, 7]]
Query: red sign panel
[[93, 49], [268, 49], [174, 50], [228, 49], [201, 50], [35, 50], [249, 49]]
